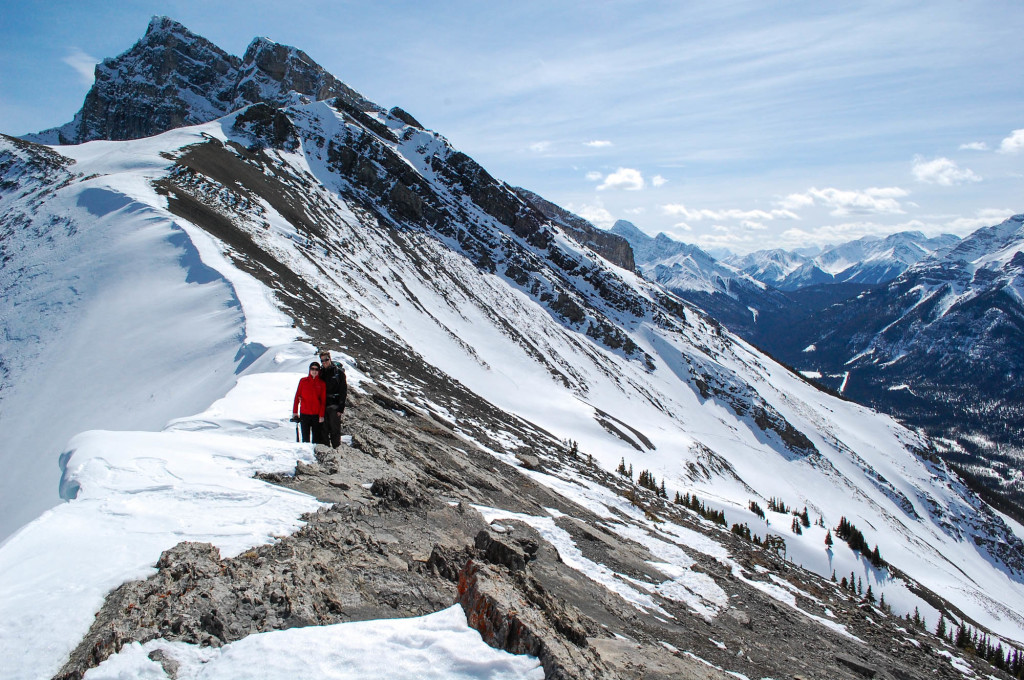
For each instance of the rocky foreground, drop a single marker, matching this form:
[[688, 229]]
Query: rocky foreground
[[403, 537]]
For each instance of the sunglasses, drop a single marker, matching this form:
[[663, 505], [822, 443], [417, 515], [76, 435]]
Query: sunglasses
[[314, 369]]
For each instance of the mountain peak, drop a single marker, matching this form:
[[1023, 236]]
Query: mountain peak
[[172, 78], [165, 25]]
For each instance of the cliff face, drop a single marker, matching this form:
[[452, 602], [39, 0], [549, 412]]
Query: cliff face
[[173, 78]]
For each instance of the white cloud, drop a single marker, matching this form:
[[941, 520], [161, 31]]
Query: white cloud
[[752, 225], [727, 214], [986, 217], [594, 176], [796, 201], [851, 202], [595, 214], [974, 146], [636, 211], [683, 226], [1013, 143], [848, 231], [942, 171], [658, 181], [540, 147], [597, 143], [623, 178], [83, 63]]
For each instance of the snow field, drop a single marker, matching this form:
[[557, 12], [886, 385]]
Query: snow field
[[439, 646]]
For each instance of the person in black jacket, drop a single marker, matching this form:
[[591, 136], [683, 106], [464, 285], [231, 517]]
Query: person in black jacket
[[337, 390]]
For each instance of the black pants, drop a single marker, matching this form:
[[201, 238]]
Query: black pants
[[310, 425], [332, 427]]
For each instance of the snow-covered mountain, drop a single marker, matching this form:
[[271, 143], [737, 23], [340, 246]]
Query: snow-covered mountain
[[772, 266], [172, 77], [868, 260], [166, 293], [728, 295], [940, 347]]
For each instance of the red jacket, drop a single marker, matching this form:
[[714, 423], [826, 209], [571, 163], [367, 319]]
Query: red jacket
[[312, 393]]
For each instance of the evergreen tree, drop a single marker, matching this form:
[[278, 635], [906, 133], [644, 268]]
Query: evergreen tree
[[843, 584], [828, 543], [860, 586], [804, 518], [869, 596], [940, 628], [796, 526], [960, 639]]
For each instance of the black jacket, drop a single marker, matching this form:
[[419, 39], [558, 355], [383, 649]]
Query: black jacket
[[337, 385]]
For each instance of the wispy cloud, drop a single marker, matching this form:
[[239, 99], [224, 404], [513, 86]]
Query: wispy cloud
[[1014, 143], [974, 146], [678, 209], [598, 143], [658, 181], [594, 176], [595, 214], [623, 178], [848, 231], [942, 171], [84, 64], [875, 200]]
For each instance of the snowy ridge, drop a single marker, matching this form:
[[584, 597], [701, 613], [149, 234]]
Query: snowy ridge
[[463, 333]]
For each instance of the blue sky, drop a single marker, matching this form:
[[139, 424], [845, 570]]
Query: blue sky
[[726, 124]]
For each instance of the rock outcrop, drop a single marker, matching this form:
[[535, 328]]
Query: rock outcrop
[[172, 78]]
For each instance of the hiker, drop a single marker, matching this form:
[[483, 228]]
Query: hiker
[[310, 402], [333, 376]]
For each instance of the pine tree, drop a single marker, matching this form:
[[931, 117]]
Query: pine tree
[[796, 526], [804, 518], [940, 628], [828, 543], [869, 596], [960, 639], [860, 586]]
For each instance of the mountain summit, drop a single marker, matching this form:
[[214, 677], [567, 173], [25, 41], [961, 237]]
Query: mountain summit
[[172, 78]]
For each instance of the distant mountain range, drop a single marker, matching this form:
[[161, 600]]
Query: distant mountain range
[[928, 329]]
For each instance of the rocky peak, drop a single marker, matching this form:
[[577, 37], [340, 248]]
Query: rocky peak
[[172, 78], [277, 74]]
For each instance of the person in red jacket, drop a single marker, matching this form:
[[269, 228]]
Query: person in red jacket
[[310, 403]]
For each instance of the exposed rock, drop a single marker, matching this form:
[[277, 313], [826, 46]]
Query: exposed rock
[[612, 247], [173, 77]]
